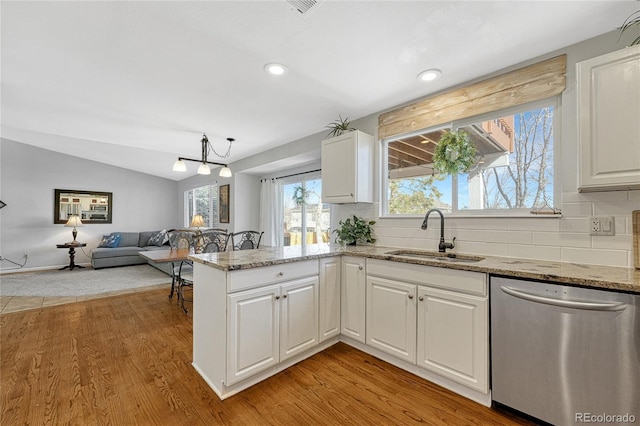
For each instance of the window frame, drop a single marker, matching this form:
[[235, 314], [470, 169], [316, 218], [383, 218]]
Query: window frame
[[213, 205], [554, 101], [301, 178]]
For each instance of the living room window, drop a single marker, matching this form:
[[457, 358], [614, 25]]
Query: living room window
[[203, 201], [306, 218], [513, 170]]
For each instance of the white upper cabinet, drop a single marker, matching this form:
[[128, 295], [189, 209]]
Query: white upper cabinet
[[347, 168], [609, 121]]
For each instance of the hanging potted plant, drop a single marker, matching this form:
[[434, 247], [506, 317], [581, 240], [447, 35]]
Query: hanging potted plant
[[339, 126], [355, 230], [454, 153]]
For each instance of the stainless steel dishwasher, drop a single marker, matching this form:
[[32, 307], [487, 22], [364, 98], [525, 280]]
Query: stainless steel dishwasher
[[565, 355]]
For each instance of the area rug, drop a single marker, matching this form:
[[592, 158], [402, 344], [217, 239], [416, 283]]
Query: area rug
[[80, 282]]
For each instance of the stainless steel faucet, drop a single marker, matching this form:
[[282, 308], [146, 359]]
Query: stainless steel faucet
[[443, 246]]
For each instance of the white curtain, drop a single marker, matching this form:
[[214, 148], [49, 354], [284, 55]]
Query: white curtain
[[271, 220]]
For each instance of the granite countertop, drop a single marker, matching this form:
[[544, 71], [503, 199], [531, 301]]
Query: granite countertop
[[598, 276]]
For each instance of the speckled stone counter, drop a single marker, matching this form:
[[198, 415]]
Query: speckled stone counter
[[598, 276]]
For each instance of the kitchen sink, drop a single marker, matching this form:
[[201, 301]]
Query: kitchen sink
[[444, 257]]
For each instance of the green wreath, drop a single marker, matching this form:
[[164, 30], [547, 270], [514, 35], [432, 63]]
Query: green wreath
[[454, 153]]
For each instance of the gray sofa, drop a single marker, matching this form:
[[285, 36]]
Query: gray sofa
[[126, 253]]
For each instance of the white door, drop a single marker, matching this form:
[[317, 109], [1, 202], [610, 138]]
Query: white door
[[391, 317], [329, 297], [452, 336], [253, 332], [298, 316], [353, 307]]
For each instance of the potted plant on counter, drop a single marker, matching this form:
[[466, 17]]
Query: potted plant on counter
[[355, 230]]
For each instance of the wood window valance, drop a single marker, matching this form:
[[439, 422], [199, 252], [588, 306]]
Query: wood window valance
[[538, 81]]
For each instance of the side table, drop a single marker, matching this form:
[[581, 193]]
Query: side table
[[72, 253]]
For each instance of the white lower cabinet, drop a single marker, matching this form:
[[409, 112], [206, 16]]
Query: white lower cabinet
[[329, 293], [248, 324], [253, 339], [436, 318], [270, 324], [391, 317], [453, 336], [353, 307], [298, 317]]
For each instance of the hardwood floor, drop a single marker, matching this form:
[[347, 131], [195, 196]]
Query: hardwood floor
[[126, 360]]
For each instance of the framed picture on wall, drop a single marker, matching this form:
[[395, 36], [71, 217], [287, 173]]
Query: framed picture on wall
[[223, 208]]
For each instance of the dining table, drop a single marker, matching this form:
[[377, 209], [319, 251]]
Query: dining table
[[172, 256]]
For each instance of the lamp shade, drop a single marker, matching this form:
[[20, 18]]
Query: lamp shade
[[179, 166], [197, 221], [204, 169], [74, 221], [225, 172]]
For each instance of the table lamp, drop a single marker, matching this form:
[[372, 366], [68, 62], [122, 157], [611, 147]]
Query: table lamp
[[197, 221], [74, 221]]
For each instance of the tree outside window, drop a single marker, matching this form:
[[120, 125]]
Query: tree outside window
[[306, 218]]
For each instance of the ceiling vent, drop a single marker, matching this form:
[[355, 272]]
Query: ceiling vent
[[305, 7]]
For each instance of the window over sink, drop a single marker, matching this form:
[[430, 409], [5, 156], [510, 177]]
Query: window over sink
[[513, 170]]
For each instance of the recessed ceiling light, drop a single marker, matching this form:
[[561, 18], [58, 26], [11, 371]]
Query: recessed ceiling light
[[275, 69], [429, 75]]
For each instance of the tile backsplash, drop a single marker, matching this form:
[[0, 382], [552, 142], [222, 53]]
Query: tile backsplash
[[563, 239]]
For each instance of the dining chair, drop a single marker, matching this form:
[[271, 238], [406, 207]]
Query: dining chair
[[246, 240], [214, 240], [210, 242], [180, 240]]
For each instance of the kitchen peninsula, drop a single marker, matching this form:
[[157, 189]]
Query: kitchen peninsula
[[257, 312]]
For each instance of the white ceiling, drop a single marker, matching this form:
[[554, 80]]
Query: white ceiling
[[135, 84]]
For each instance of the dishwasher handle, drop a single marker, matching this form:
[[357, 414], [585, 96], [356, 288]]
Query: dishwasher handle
[[592, 306]]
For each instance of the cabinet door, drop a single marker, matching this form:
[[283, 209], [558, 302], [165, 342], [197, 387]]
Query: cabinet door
[[253, 332], [352, 317], [391, 317], [609, 129], [329, 297], [453, 336], [298, 316], [339, 169], [347, 168]]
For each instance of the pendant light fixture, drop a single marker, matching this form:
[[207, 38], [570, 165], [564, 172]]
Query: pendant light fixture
[[225, 171]]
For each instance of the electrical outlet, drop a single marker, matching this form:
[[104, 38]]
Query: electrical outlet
[[602, 225]]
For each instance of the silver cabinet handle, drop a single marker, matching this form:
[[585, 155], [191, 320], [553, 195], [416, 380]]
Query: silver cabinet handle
[[284, 297], [360, 267], [421, 298], [277, 297], [280, 273], [411, 296], [592, 306]]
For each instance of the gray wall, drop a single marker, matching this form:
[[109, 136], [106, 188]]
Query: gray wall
[[28, 178]]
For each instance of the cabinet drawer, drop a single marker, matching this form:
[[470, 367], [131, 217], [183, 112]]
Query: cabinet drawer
[[256, 277], [450, 279]]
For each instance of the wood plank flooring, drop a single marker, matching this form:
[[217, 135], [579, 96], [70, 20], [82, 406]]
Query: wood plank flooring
[[126, 360]]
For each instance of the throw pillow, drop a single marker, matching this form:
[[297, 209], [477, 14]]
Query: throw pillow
[[110, 241], [159, 238], [104, 242]]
